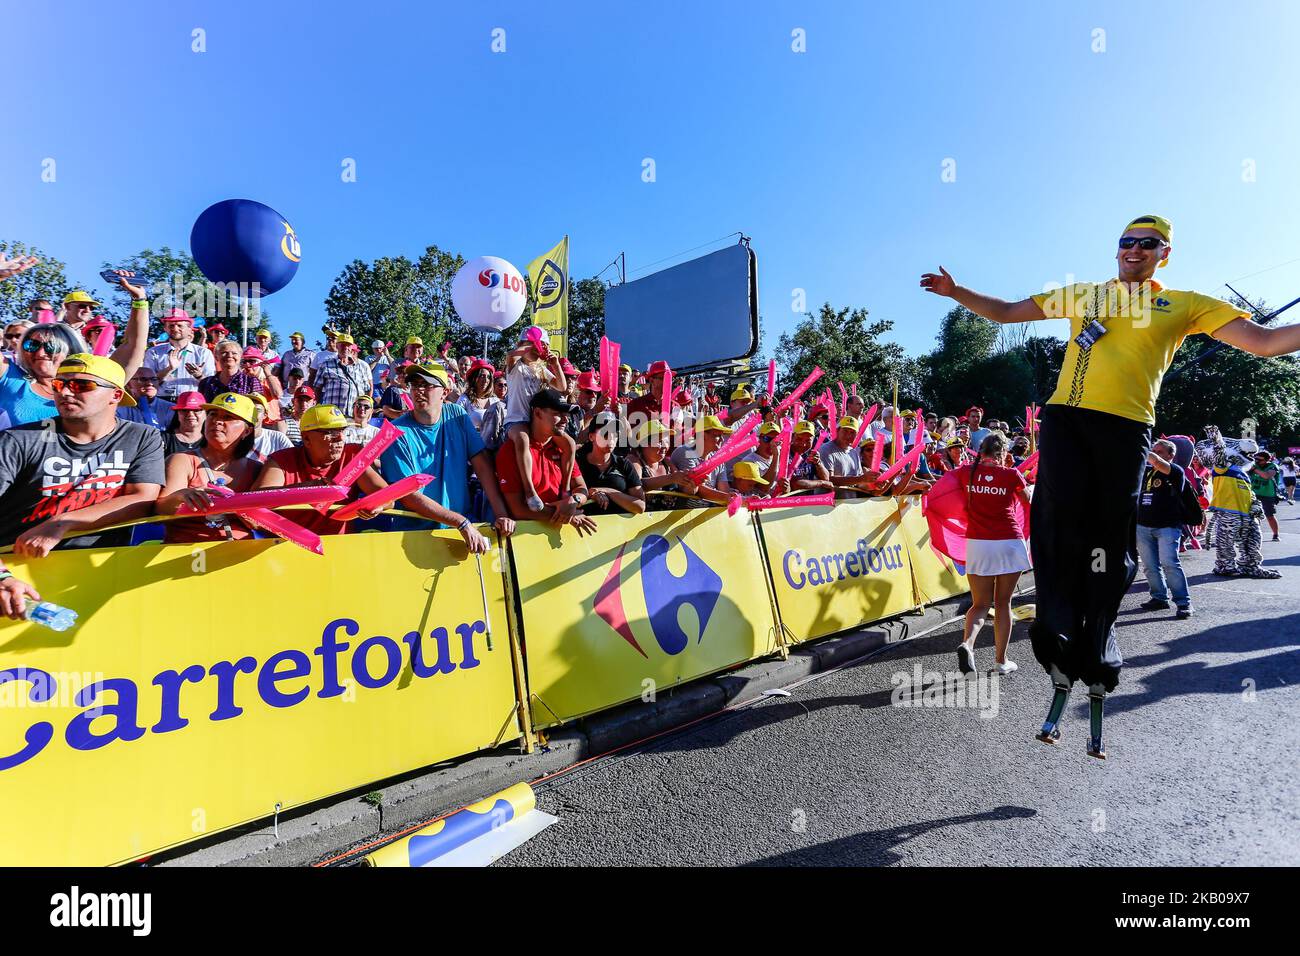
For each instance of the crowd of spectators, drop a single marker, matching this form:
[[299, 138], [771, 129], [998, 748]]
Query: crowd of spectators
[[91, 442]]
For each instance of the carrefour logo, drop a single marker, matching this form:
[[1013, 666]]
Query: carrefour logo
[[490, 278], [113, 707], [665, 593], [552, 285], [1162, 303], [802, 570]]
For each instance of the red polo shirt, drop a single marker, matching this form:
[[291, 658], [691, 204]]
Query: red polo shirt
[[547, 470]]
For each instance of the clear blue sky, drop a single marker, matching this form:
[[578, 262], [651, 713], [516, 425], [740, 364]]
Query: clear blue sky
[[830, 159]]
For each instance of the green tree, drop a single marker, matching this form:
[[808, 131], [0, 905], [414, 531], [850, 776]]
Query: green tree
[[1212, 384], [974, 364], [848, 348], [45, 280], [586, 322]]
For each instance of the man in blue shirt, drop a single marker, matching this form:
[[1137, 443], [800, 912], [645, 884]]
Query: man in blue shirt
[[148, 409], [439, 439]]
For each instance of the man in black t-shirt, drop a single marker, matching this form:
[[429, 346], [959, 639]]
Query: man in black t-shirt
[[1160, 528], [86, 469]]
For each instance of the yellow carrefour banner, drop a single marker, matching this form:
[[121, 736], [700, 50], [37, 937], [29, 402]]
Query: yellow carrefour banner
[[934, 576], [645, 603], [837, 567], [548, 275], [206, 684]]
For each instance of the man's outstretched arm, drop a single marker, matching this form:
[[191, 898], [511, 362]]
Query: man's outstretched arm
[[999, 310], [1260, 339]]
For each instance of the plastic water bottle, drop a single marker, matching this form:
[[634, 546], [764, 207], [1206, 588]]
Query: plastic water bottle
[[51, 615]]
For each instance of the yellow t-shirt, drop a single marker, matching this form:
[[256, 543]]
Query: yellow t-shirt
[[1121, 373]]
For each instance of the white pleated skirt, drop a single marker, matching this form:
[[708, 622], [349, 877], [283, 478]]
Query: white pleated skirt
[[987, 558]]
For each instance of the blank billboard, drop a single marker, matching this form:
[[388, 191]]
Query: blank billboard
[[701, 312]]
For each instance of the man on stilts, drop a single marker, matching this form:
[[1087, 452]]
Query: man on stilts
[[1096, 432]]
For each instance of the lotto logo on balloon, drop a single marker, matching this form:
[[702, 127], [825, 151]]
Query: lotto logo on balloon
[[492, 279], [489, 293], [289, 245]]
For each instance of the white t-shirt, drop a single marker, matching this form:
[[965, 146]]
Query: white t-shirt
[[180, 381], [523, 383], [476, 414], [268, 442], [356, 434]]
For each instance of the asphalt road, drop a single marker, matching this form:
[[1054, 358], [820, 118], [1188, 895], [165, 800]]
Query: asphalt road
[[1203, 768]]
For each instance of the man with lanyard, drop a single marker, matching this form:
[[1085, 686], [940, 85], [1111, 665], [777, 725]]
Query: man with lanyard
[[179, 363], [1096, 431]]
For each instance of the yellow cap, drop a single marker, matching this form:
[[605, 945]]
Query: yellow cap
[[769, 428], [748, 469], [711, 423], [625, 368], [1158, 223], [266, 332], [848, 421], [344, 337], [98, 366], [322, 418], [741, 392], [76, 295], [259, 398], [652, 428], [805, 428], [241, 406], [414, 340], [433, 370]]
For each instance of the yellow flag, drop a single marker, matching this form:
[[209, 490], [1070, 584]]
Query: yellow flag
[[549, 276]]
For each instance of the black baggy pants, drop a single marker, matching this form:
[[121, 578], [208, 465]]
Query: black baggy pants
[[1083, 534]]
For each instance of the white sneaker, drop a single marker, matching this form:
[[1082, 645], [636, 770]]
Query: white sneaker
[[1008, 667], [965, 658]]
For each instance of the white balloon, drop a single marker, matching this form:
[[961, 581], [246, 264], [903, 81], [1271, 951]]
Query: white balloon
[[489, 293]]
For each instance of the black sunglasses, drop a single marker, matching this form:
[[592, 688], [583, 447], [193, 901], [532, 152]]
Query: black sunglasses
[[31, 346], [1148, 243]]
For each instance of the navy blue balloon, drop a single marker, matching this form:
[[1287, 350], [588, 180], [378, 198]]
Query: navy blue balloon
[[245, 242]]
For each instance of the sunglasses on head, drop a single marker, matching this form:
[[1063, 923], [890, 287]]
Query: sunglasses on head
[[79, 386], [32, 346], [1148, 242]]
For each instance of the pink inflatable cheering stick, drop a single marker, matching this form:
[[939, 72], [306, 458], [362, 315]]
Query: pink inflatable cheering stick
[[853, 389], [720, 457], [666, 398], [771, 377], [1029, 464], [46, 316], [267, 498], [734, 504], [911, 458], [877, 454], [615, 354], [844, 399], [605, 372], [284, 528], [384, 496], [99, 331], [801, 501], [783, 457], [792, 466], [388, 433], [803, 387]]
